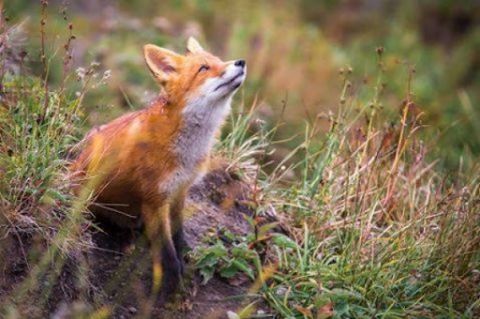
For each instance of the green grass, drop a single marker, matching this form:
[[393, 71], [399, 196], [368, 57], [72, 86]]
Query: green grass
[[373, 229], [37, 134], [39, 127]]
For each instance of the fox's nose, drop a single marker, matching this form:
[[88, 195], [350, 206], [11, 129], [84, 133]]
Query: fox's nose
[[240, 63]]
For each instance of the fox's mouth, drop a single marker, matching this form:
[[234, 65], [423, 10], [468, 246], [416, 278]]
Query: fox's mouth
[[230, 81]]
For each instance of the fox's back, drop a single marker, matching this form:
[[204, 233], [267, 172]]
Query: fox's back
[[133, 154]]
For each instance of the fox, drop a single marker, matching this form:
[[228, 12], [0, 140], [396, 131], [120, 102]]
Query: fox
[[148, 159]]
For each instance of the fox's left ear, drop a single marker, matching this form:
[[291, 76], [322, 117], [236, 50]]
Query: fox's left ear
[[193, 46], [161, 62]]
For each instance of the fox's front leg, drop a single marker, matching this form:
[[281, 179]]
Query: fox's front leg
[[166, 265], [176, 218]]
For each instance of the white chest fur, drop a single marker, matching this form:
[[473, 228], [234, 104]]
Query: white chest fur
[[195, 139], [197, 134]]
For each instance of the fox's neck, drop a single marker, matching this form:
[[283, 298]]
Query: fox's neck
[[200, 121]]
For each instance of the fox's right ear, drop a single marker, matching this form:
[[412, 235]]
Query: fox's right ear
[[162, 63]]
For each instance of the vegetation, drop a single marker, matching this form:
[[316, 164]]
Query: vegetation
[[357, 209], [374, 230]]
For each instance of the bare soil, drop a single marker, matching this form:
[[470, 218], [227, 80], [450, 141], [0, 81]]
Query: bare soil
[[119, 266]]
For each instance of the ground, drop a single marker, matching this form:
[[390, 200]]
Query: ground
[[119, 263]]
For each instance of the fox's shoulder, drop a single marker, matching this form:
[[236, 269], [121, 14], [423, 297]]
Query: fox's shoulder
[[123, 122]]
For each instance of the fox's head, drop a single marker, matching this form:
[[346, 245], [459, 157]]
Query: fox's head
[[197, 77]]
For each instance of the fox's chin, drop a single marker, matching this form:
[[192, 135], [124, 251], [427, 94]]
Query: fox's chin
[[237, 86], [230, 90], [233, 85], [220, 90], [230, 82]]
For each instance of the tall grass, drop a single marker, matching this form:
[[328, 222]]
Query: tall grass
[[42, 224], [373, 229], [377, 234]]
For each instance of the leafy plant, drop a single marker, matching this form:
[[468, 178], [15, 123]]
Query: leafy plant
[[238, 258]]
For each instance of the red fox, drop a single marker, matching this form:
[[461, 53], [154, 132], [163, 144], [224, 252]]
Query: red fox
[[148, 159]]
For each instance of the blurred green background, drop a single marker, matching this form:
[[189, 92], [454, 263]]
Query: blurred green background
[[294, 51]]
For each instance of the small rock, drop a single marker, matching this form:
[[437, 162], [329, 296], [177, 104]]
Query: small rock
[[132, 309]]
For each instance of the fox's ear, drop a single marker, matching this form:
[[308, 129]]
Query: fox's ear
[[193, 46], [161, 62]]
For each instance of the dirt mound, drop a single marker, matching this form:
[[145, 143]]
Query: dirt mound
[[123, 257], [119, 266]]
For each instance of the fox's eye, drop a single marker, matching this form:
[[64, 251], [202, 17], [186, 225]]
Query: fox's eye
[[203, 68]]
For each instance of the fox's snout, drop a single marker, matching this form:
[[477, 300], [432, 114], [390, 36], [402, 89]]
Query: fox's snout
[[231, 79], [240, 63]]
